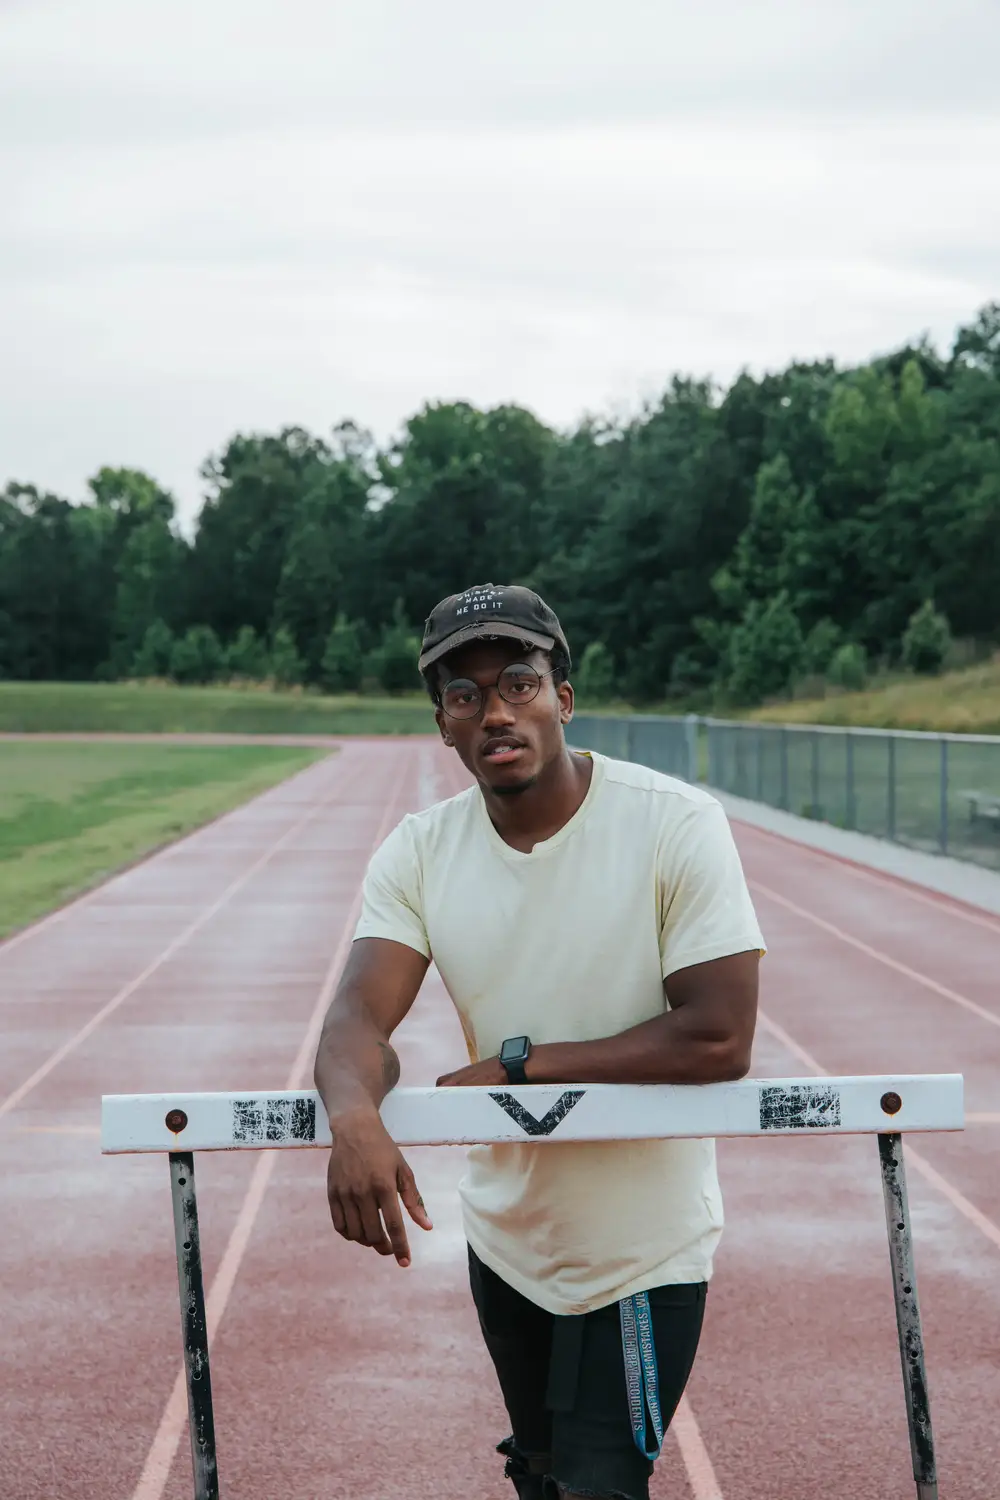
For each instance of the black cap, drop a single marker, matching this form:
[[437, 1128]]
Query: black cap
[[485, 611]]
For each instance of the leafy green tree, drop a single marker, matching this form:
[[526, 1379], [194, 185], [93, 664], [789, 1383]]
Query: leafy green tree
[[765, 652], [155, 654], [596, 677], [255, 487], [246, 656], [286, 663], [196, 656], [848, 667], [148, 573], [342, 667], [50, 572], [670, 516], [321, 554], [463, 490], [927, 639], [819, 648], [773, 552], [131, 496], [977, 346], [395, 661]]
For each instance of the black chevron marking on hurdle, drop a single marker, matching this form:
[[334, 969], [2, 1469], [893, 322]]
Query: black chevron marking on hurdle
[[549, 1121]]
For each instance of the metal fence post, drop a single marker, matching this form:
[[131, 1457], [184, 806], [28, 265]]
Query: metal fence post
[[814, 778], [850, 811], [194, 1326], [783, 759], [890, 809], [691, 726], [908, 1327], [759, 742], [943, 793]]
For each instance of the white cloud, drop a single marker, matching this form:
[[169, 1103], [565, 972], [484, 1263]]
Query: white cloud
[[243, 215]]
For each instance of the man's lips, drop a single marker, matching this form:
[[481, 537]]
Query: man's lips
[[502, 750]]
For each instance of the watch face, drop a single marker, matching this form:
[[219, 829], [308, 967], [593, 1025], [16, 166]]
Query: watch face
[[515, 1047]]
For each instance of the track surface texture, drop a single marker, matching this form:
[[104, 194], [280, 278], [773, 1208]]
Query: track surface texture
[[336, 1375]]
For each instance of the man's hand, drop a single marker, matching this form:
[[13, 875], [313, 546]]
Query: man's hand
[[486, 1074], [365, 1180]]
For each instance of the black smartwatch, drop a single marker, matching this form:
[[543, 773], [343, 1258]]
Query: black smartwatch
[[513, 1055]]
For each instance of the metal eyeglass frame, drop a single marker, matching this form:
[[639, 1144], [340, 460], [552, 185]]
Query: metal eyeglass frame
[[483, 691]]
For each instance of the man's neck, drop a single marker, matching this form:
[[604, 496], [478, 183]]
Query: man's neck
[[527, 818]]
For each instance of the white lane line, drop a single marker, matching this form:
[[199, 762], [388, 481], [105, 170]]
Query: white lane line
[[700, 1473], [156, 1470], [684, 1427], [7, 945], [883, 958], [885, 881], [920, 1163], [183, 937]]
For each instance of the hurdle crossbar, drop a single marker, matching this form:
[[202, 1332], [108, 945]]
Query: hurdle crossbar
[[887, 1107]]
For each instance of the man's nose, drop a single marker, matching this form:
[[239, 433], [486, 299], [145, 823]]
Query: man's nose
[[497, 712]]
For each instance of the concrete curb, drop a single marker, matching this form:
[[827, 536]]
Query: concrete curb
[[949, 877]]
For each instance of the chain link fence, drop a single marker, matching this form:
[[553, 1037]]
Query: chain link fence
[[935, 792]]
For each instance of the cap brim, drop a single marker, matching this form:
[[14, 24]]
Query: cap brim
[[483, 630]]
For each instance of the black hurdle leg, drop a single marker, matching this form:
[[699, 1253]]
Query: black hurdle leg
[[194, 1327], [911, 1338]]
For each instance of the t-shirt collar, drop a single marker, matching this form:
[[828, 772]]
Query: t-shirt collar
[[548, 846]]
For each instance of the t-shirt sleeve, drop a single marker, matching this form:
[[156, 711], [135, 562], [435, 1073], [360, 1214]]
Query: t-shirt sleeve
[[705, 908], [391, 905]]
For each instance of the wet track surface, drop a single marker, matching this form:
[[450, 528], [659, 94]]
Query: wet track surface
[[337, 1375]]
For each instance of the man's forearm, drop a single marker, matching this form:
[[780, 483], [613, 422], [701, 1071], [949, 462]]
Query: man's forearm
[[356, 1064], [671, 1048]]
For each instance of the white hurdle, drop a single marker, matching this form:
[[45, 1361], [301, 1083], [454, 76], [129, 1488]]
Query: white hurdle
[[182, 1124]]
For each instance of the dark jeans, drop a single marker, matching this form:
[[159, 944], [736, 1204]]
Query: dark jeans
[[563, 1383]]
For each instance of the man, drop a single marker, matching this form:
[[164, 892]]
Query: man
[[591, 923]]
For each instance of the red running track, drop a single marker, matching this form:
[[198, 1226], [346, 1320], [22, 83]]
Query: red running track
[[337, 1375]]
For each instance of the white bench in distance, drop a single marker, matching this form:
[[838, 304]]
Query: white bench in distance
[[983, 806]]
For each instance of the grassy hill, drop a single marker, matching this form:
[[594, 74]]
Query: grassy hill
[[961, 702], [159, 708]]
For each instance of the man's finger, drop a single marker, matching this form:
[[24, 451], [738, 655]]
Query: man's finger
[[412, 1199], [394, 1226], [337, 1215], [371, 1223], [353, 1229]]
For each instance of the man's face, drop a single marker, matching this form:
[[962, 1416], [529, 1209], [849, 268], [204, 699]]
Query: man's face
[[508, 744]]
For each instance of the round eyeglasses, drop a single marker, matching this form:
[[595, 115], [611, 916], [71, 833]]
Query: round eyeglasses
[[463, 699]]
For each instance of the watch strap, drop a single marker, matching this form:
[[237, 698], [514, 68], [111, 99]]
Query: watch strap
[[515, 1070]]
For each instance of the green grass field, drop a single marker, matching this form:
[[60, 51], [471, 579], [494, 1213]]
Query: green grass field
[[71, 814], [150, 708]]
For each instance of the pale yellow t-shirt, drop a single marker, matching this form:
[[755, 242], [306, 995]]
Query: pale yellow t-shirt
[[572, 942]]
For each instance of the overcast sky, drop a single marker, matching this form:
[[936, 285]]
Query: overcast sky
[[225, 214]]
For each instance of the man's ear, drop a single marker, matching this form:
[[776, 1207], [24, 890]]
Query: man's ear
[[442, 724], [566, 701]]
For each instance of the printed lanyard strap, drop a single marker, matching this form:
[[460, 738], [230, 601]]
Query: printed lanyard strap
[[641, 1379]]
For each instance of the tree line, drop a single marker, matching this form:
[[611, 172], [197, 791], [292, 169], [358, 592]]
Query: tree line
[[820, 522]]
